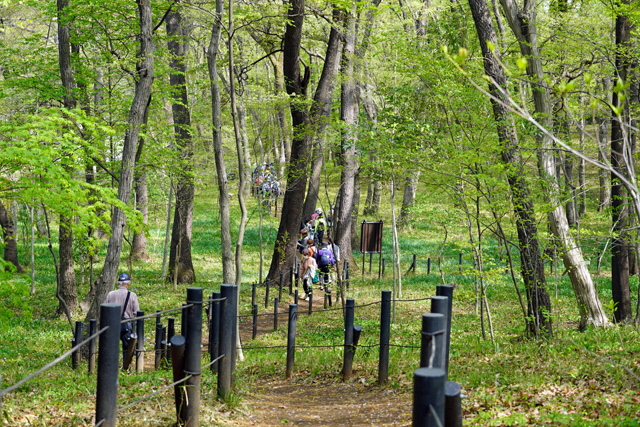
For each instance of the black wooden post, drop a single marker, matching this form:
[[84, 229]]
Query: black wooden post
[[193, 355], [234, 331], [291, 280], [428, 265], [348, 339], [177, 363], [280, 286], [266, 295], [93, 324], [275, 313], [291, 338], [428, 397], [140, 343], [447, 291], [310, 295], [253, 293], [384, 265], [440, 304], [77, 339], [452, 405], [254, 321], [385, 334], [214, 330], [295, 297], [108, 366], [226, 341], [171, 331], [157, 348], [432, 343]]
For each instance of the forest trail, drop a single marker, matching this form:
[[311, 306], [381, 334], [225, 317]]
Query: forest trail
[[305, 402]]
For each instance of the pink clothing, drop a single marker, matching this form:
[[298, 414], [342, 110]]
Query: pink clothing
[[119, 296], [306, 263]]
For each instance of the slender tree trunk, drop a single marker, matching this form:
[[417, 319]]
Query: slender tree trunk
[[67, 290], [523, 24], [620, 161], [237, 115], [139, 242], [538, 301], [180, 261], [140, 103], [349, 110], [408, 198], [221, 168]]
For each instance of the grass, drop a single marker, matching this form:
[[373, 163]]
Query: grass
[[572, 379]]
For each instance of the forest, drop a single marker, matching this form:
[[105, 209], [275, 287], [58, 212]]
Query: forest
[[506, 128]]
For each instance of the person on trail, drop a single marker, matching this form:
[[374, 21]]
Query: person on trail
[[321, 226], [312, 248], [308, 269], [302, 243], [325, 261], [129, 302]]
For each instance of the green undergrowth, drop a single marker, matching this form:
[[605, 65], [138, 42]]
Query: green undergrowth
[[570, 379]]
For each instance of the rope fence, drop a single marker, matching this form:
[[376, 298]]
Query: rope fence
[[183, 351]]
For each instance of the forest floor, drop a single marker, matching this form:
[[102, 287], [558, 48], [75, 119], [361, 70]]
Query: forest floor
[[305, 402]]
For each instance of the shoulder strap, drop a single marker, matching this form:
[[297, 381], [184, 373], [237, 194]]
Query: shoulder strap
[[126, 302]]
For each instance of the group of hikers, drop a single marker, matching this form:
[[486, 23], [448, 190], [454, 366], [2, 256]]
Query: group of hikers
[[318, 256]]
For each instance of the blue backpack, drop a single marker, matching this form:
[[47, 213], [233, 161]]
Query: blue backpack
[[324, 258]]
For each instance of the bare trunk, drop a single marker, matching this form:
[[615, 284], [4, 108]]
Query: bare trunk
[[296, 85], [67, 291], [303, 121], [139, 106], [181, 268], [139, 242], [539, 322], [620, 161], [349, 110], [221, 169], [523, 25], [237, 114], [408, 198]]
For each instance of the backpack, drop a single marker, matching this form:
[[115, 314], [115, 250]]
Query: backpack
[[324, 258]]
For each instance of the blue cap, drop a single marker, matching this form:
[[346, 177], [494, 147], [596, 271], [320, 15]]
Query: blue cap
[[123, 277]]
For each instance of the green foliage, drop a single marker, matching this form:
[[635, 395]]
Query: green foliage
[[14, 294]]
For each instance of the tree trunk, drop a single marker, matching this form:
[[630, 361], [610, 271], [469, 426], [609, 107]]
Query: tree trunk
[[523, 25], [408, 198], [9, 238], [302, 120], [321, 119], [180, 261], [538, 302], [221, 169], [139, 105], [238, 114], [296, 86], [139, 242], [67, 291], [620, 161], [349, 110]]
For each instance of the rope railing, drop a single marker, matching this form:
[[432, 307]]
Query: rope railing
[[192, 312]]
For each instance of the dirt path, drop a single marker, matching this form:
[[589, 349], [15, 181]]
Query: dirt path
[[276, 402]]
